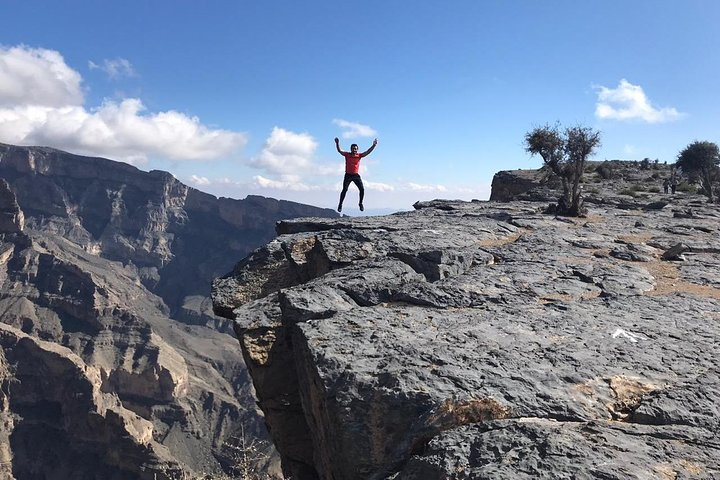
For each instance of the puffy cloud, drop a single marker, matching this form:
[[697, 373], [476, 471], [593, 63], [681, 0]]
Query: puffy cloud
[[41, 104], [416, 187], [115, 68], [354, 130], [200, 181], [118, 130], [628, 102], [36, 76], [292, 183], [380, 187], [286, 152]]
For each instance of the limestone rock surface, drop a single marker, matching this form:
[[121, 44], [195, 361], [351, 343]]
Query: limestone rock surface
[[12, 219], [488, 340], [59, 424]]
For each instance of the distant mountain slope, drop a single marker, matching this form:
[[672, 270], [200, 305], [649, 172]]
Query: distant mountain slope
[[177, 237], [102, 268]]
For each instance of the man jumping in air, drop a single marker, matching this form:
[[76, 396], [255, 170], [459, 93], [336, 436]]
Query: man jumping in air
[[352, 170]]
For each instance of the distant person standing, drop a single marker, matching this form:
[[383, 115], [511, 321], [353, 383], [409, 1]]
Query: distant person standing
[[666, 185], [352, 170]]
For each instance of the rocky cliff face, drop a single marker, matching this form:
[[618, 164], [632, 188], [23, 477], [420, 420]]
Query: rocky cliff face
[[489, 340], [59, 424], [12, 219], [109, 367], [177, 237]]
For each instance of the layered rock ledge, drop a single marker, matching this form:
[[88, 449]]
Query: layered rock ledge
[[114, 264], [488, 340]]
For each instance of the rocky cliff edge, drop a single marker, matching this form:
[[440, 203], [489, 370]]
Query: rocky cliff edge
[[489, 340]]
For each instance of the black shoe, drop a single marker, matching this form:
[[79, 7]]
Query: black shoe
[[340, 208], [362, 209]]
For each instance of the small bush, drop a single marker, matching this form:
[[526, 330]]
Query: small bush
[[637, 188], [605, 170], [628, 191], [654, 189], [687, 187]]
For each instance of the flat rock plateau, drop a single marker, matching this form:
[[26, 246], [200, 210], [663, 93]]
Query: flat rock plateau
[[489, 339], [113, 365]]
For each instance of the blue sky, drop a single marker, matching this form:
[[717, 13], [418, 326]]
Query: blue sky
[[240, 97]]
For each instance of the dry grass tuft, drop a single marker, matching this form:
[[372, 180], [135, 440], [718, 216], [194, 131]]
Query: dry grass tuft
[[692, 468], [453, 413], [496, 242], [637, 238], [668, 281], [628, 392], [666, 471]]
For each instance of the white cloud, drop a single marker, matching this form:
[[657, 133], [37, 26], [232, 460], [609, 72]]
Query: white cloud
[[41, 103], [380, 187], [416, 187], [199, 181], [628, 102], [290, 156], [36, 76], [115, 68], [293, 184], [354, 130], [286, 152]]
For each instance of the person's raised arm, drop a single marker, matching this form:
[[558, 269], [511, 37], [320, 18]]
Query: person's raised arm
[[367, 152], [337, 145]]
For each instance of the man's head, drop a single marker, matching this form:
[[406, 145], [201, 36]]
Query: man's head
[[354, 148]]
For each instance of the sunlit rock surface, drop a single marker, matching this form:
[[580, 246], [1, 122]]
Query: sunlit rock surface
[[490, 340]]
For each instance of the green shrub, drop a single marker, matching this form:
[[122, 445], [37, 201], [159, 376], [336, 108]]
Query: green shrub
[[637, 188], [687, 187], [605, 170]]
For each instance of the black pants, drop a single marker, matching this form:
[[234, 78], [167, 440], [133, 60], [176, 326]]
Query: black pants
[[352, 178]]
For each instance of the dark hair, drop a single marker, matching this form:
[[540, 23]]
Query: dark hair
[[354, 145]]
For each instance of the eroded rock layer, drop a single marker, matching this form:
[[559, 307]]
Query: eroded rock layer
[[113, 364], [489, 340]]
